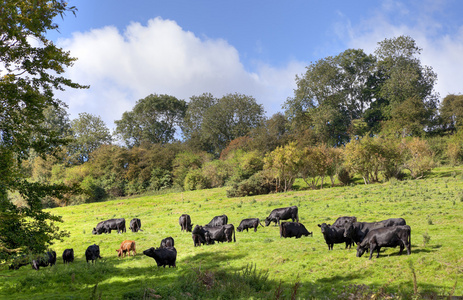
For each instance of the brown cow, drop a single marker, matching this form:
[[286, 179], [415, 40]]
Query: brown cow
[[126, 246]]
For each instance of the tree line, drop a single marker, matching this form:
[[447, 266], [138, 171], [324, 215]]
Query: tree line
[[376, 116]]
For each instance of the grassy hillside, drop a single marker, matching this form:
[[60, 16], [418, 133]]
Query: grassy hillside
[[261, 264]]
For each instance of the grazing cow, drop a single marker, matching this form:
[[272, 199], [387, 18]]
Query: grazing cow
[[224, 233], [45, 260], [167, 242], [358, 230], [199, 235], [284, 213], [125, 247], [185, 223], [92, 253], [218, 221], [290, 229], [249, 223], [334, 235], [386, 237], [163, 256], [135, 225], [108, 225], [342, 220], [68, 256]]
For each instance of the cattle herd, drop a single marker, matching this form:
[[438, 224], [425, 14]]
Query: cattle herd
[[367, 236]]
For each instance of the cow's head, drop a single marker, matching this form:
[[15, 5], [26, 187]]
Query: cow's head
[[119, 252], [267, 221], [189, 227], [324, 227], [360, 250], [239, 229]]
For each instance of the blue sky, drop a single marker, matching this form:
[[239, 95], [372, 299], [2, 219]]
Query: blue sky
[[128, 50]]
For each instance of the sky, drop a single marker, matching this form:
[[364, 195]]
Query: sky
[[127, 50]]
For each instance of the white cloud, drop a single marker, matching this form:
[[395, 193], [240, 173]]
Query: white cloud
[[162, 58]]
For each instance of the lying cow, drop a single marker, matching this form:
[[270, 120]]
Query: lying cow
[[358, 230], [290, 229], [108, 225], [163, 256], [45, 260], [167, 242], [386, 237], [249, 223], [68, 256], [218, 221], [125, 247], [334, 235], [135, 225], [185, 223], [92, 253], [284, 213]]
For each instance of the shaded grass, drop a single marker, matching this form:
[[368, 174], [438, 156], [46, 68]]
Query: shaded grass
[[284, 262]]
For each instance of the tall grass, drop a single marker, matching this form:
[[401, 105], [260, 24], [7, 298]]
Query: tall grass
[[260, 264]]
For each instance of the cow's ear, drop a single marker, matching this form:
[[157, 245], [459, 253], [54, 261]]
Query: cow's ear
[[329, 224], [319, 225]]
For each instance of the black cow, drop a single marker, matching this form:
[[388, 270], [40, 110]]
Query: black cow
[[342, 220], [68, 256], [290, 229], [284, 213], [358, 230], [199, 235], [334, 235], [185, 223], [249, 223], [218, 221], [167, 242], [108, 225], [223, 233], [135, 225], [386, 237], [92, 253], [45, 260], [163, 256]]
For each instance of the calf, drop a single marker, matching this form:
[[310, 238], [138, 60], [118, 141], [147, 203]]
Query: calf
[[108, 225], [334, 235], [218, 221], [290, 229], [135, 225], [125, 247], [284, 213], [92, 253], [185, 223], [163, 256], [68, 256], [386, 237], [249, 223], [167, 242]]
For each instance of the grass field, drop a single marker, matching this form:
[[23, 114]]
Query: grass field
[[260, 264]]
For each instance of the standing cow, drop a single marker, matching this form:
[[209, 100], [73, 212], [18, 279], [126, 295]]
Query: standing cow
[[386, 237], [334, 235], [135, 225], [163, 256], [108, 225], [249, 223], [284, 213], [358, 230], [125, 247], [92, 253], [45, 260], [185, 223], [68, 256]]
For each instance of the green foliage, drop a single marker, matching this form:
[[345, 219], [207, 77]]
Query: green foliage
[[185, 162], [258, 184], [451, 112], [195, 180], [282, 165], [152, 120]]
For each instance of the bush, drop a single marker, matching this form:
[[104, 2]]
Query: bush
[[257, 184], [195, 180], [344, 176]]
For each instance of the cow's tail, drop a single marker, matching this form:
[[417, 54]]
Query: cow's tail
[[234, 239], [410, 240]]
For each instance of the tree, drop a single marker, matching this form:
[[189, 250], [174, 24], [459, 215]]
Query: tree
[[28, 79], [153, 120], [451, 112], [283, 165], [90, 132]]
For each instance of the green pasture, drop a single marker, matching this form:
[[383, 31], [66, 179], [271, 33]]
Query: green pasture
[[260, 264]]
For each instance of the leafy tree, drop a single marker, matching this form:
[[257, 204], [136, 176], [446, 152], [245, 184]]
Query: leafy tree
[[90, 132], [283, 165], [29, 77], [152, 120], [451, 112], [419, 158], [273, 132]]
